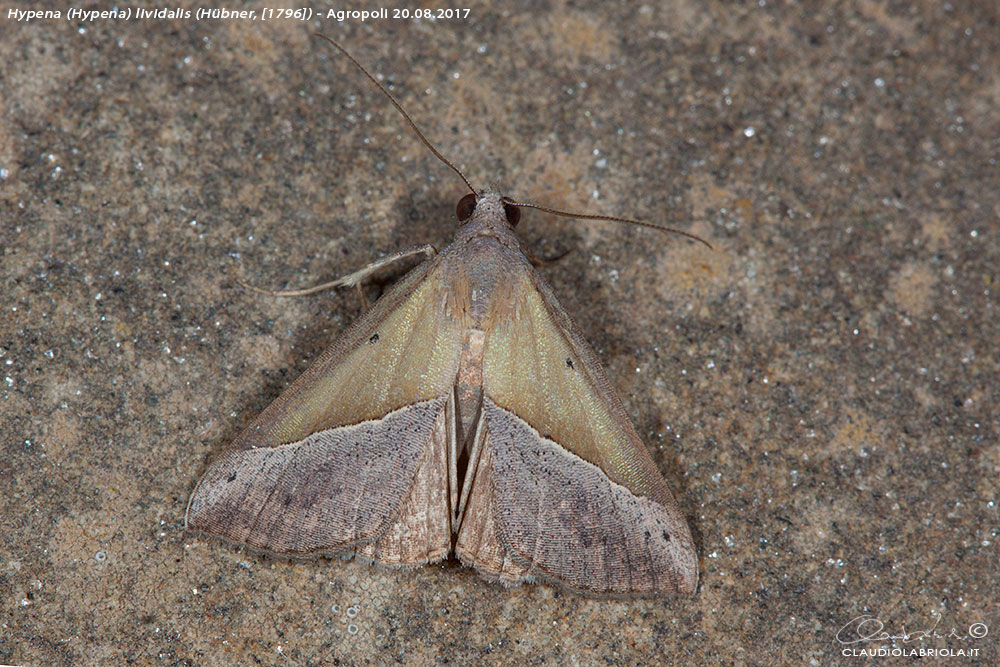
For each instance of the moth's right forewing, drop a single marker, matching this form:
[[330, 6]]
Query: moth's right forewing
[[352, 457], [564, 489]]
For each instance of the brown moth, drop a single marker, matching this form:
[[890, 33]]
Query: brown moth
[[463, 413]]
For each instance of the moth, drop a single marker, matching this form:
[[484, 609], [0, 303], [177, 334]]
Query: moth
[[464, 413]]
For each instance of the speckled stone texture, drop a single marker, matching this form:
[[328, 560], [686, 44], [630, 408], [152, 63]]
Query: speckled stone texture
[[820, 391]]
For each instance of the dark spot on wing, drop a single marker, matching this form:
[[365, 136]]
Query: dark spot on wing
[[373, 339]]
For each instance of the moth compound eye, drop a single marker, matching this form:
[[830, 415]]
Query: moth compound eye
[[513, 214], [466, 205]]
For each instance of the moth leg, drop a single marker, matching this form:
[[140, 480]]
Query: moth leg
[[364, 299], [352, 279]]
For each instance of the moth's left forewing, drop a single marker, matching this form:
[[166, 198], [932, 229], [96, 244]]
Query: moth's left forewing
[[352, 457], [564, 490]]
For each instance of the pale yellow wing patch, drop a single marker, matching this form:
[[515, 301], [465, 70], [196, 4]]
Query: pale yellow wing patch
[[538, 365], [402, 351]]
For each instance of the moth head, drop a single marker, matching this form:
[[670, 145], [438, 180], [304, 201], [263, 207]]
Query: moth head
[[467, 206]]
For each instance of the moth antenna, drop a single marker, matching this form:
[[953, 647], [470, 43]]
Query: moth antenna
[[400, 109], [610, 218]]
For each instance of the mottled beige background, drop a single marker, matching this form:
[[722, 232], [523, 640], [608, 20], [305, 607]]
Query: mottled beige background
[[820, 391]]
